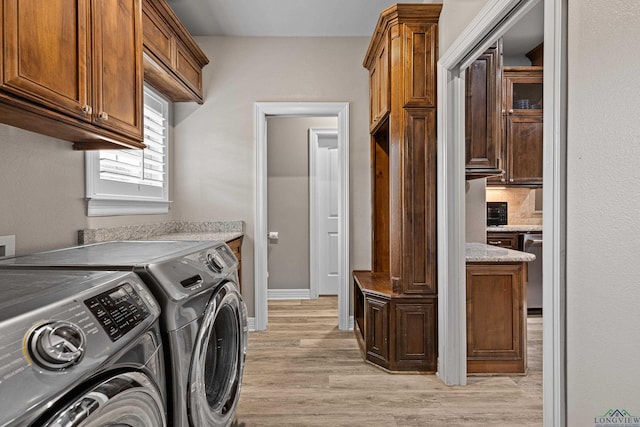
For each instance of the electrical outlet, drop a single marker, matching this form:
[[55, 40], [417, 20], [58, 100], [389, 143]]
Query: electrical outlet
[[7, 245]]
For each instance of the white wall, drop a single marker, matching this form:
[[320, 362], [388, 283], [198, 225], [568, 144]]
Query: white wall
[[603, 204], [215, 152]]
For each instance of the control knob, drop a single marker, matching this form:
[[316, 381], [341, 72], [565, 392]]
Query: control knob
[[214, 262], [57, 345]]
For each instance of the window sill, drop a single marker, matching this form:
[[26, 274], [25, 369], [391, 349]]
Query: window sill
[[114, 207]]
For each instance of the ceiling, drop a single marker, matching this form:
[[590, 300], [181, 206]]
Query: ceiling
[[316, 18]]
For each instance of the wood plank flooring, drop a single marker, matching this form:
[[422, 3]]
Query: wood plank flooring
[[303, 371]]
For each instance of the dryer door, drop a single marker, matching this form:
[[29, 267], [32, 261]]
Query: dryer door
[[129, 399], [218, 360]]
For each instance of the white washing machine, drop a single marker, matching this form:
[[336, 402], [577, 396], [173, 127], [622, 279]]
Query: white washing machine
[[79, 349], [203, 320]]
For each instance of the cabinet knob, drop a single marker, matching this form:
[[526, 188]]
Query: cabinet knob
[[103, 116], [510, 111], [86, 109], [511, 180]]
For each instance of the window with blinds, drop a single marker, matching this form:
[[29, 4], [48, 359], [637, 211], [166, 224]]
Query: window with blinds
[[127, 182]]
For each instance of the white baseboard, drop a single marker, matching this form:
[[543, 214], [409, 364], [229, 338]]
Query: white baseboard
[[251, 323], [283, 294]]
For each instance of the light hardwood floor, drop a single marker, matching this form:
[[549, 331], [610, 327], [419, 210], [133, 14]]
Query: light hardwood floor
[[303, 371]]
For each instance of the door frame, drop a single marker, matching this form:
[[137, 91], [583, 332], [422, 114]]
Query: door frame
[[495, 18], [299, 109], [314, 135]]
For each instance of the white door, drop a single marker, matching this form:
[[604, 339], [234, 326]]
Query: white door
[[324, 193]]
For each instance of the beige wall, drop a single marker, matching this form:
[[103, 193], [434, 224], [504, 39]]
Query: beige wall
[[42, 192], [288, 190], [215, 153], [454, 18], [603, 202], [475, 211]]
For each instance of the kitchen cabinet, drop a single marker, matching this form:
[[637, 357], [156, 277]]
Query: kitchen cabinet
[[496, 318], [72, 69], [173, 61], [236, 247], [395, 331], [503, 239], [522, 115], [398, 298], [483, 115]]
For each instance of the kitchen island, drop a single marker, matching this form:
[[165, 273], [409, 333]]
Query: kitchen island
[[496, 309]]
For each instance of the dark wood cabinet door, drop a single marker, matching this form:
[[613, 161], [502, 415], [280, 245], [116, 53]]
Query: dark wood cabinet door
[[416, 334], [496, 318], [524, 149], [45, 53], [379, 84], [483, 112], [117, 62], [376, 329], [418, 249]]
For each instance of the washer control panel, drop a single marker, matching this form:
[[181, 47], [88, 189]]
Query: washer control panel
[[118, 310]]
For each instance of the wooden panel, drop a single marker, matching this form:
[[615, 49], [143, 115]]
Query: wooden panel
[[118, 72], [416, 335], [420, 50], [380, 196], [524, 149], [419, 240], [157, 38], [44, 44], [496, 318], [188, 69]]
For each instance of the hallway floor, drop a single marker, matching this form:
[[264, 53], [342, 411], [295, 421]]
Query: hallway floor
[[303, 371]]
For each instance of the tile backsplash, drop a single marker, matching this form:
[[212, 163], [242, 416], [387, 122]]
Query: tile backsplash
[[521, 204]]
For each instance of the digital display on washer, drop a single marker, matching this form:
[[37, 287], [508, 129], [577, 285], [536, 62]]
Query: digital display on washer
[[118, 310]]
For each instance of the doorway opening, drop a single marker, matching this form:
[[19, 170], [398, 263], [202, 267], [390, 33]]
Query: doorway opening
[[491, 23], [264, 110]]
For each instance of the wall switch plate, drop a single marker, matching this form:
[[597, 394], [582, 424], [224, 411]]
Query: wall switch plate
[[7, 245]]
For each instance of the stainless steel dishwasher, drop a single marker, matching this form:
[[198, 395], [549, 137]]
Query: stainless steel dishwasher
[[532, 243]]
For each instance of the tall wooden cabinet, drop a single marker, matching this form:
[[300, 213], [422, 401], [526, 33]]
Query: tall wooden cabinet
[[395, 304], [73, 69]]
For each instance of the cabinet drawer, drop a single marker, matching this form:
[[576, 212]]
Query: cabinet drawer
[[504, 240]]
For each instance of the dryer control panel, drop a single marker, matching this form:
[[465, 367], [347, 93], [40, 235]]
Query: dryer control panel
[[118, 310]]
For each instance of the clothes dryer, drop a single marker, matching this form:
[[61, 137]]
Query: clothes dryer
[[203, 320]]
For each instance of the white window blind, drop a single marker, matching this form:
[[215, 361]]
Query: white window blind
[[125, 182]]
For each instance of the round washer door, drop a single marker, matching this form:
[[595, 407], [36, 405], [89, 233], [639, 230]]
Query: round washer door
[[216, 369], [126, 400]]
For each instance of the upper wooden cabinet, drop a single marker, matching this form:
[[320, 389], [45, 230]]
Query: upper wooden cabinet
[[173, 62], [522, 117], [483, 114], [379, 96], [72, 69]]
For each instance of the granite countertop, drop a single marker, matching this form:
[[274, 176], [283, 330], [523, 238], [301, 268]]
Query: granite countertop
[[479, 252], [221, 236], [515, 228], [171, 230]]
